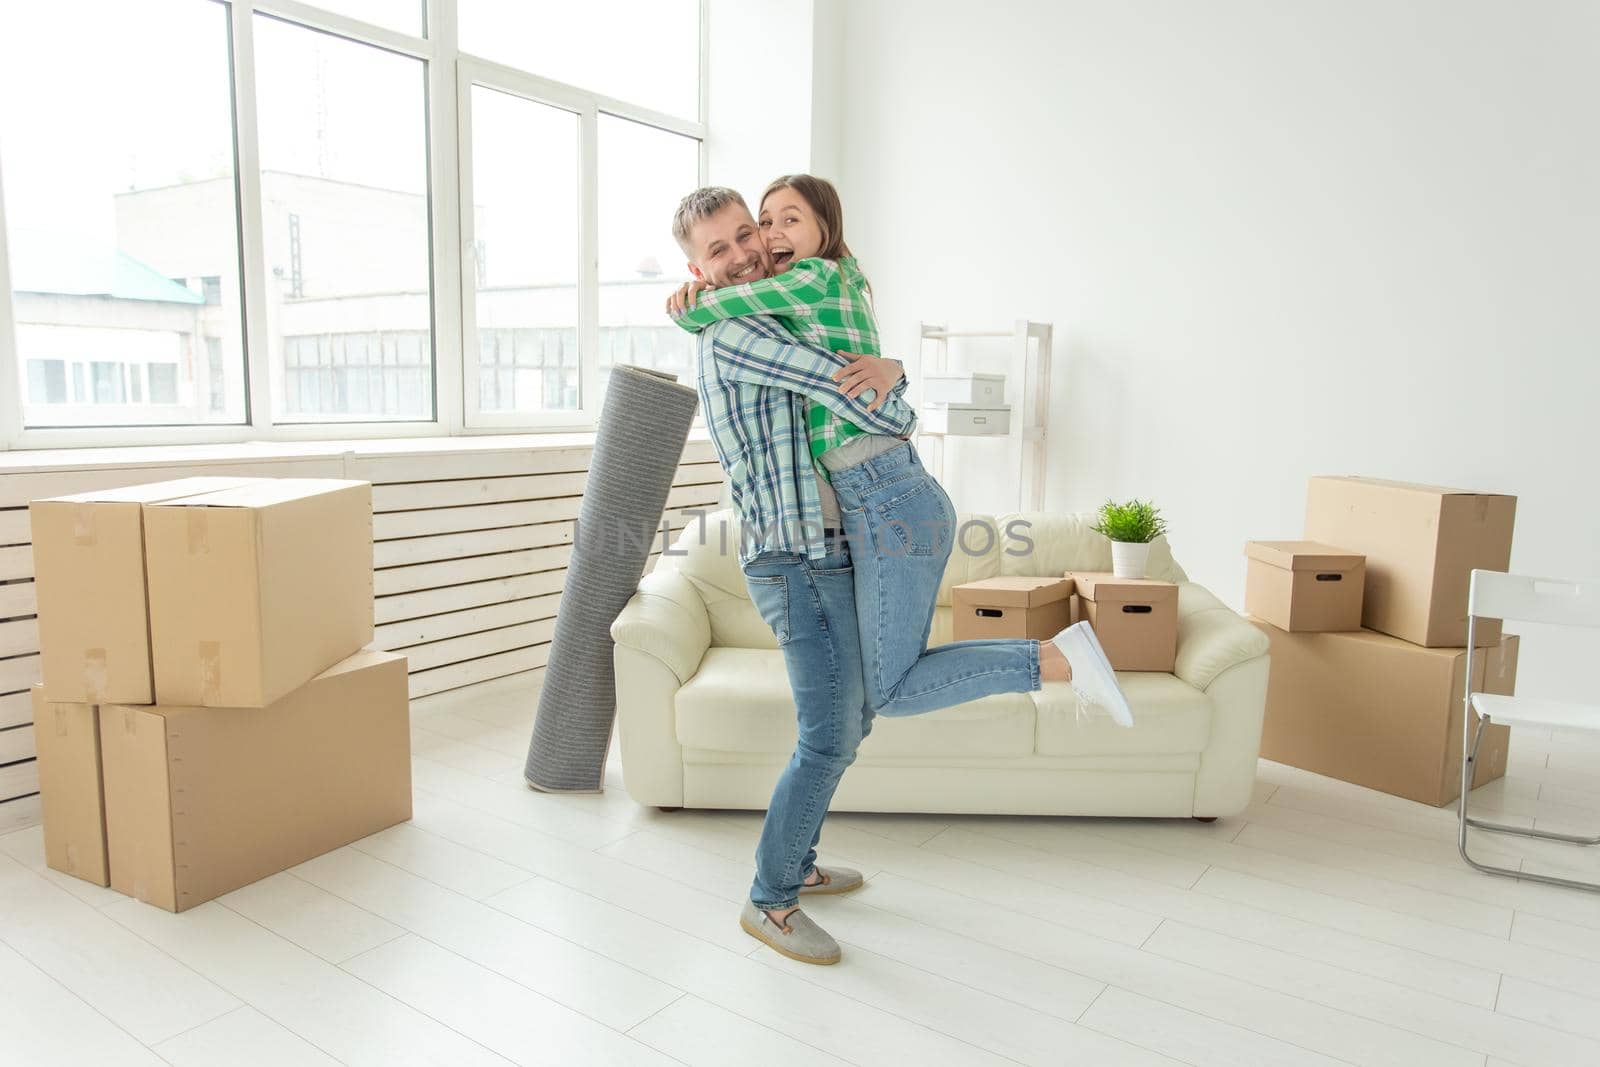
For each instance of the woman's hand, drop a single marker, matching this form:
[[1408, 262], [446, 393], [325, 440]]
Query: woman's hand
[[684, 296], [868, 372]]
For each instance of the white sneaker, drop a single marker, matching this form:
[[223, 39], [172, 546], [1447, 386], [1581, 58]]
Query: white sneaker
[[1092, 677]]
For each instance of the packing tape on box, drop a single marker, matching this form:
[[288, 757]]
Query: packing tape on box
[[95, 673], [63, 721], [83, 532], [210, 673], [198, 530]]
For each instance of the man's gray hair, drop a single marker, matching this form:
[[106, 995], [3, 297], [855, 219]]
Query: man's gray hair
[[698, 206]]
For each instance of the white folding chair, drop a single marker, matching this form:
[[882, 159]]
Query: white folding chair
[[1548, 600]]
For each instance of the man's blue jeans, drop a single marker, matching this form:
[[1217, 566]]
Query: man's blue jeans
[[813, 608]]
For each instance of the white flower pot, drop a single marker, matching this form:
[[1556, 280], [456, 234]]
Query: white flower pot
[[1129, 558]]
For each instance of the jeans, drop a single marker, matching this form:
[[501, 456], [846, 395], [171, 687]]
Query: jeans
[[853, 628], [811, 607], [901, 529]]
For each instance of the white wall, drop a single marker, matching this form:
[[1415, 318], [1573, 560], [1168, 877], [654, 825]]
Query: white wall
[[1276, 239], [759, 92]]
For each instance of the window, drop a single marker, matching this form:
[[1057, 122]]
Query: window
[[344, 190], [654, 62], [524, 199], [643, 173], [101, 221], [247, 180]]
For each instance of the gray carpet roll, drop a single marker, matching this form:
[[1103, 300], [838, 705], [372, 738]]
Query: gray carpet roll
[[644, 425]]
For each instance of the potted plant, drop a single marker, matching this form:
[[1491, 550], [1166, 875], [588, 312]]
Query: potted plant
[[1131, 526]]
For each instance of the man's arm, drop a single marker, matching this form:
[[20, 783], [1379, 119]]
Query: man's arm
[[761, 353], [802, 286]]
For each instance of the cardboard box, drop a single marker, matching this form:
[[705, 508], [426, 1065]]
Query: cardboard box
[[71, 797], [257, 589], [966, 422], [1421, 543], [89, 576], [1037, 608], [1136, 619], [1372, 709], [1304, 586], [201, 801]]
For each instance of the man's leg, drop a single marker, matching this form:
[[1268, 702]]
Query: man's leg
[[812, 611]]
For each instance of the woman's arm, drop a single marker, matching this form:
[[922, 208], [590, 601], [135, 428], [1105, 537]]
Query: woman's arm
[[804, 286]]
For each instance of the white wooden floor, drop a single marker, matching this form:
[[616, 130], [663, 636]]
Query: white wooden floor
[[1328, 924]]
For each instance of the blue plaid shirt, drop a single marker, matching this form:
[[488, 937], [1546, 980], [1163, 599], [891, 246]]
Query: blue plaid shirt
[[754, 381]]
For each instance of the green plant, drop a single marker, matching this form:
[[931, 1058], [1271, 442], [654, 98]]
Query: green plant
[[1138, 521]]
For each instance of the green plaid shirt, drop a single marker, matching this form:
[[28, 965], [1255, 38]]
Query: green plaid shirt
[[822, 302]]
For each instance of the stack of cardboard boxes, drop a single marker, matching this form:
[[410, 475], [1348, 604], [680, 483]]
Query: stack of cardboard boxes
[[1135, 619], [208, 713], [1368, 623]]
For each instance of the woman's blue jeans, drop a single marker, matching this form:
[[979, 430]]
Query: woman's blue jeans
[[853, 628]]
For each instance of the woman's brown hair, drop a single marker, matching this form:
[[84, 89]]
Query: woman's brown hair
[[824, 201]]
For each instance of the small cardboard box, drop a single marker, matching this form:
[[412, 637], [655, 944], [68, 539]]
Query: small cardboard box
[[71, 795], [89, 577], [1037, 608], [201, 801], [1422, 544], [1304, 586], [966, 422], [257, 589], [1372, 709], [1136, 619]]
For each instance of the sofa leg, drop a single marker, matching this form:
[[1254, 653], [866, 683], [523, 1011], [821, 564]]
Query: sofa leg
[[1205, 818], [663, 807]]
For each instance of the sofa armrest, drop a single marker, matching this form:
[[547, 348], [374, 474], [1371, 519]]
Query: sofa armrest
[[1212, 637], [666, 619]]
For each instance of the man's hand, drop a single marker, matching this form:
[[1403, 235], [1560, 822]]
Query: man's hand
[[868, 372], [684, 296]]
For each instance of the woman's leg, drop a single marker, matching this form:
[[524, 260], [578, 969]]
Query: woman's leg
[[901, 526]]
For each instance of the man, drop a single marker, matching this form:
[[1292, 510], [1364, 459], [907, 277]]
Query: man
[[754, 380]]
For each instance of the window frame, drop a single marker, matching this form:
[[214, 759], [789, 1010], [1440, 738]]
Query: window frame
[[449, 74]]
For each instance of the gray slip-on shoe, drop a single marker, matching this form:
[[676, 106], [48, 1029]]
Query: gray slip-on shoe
[[834, 880], [799, 938]]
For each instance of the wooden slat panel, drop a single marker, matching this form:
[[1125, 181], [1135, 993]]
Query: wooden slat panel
[[477, 646], [437, 601], [17, 599], [426, 683], [15, 709], [699, 474], [476, 569], [17, 489], [19, 637], [19, 779], [18, 673], [398, 636], [16, 562], [414, 496], [412, 550], [20, 813], [16, 744], [483, 517], [519, 513], [385, 470], [14, 527]]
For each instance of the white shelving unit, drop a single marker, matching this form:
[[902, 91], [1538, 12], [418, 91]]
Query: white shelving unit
[[1027, 394]]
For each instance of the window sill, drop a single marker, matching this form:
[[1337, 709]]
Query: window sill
[[28, 461]]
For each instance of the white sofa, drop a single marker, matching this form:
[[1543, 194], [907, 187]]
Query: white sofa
[[707, 719]]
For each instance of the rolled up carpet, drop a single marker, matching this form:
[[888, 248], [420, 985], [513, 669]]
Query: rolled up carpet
[[644, 425]]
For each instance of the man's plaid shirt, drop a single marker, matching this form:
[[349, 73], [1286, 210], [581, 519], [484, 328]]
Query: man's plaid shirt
[[755, 381], [822, 302]]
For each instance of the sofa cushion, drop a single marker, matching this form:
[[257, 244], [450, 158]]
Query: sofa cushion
[[1169, 717], [1061, 543], [740, 701]]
